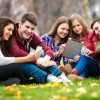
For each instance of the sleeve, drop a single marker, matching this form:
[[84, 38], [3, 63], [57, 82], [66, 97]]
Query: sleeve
[[45, 39], [38, 42], [95, 39], [5, 60], [16, 51]]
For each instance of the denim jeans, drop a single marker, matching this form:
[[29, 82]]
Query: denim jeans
[[39, 74], [87, 66]]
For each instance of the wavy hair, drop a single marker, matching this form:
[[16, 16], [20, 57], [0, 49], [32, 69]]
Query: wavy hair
[[77, 17], [59, 21]]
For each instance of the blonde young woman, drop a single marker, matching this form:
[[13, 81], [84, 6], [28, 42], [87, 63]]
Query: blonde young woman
[[81, 32]]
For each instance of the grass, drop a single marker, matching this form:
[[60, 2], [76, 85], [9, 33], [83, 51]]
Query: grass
[[80, 90]]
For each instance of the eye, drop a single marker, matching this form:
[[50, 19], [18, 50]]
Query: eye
[[10, 29], [63, 28], [32, 29], [96, 28], [68, 30], [78, 24], [27, 26]]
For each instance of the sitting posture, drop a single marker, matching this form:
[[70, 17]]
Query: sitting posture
[[42, 69]]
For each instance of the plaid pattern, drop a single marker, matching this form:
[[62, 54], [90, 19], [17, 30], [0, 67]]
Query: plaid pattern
[[49, 41]]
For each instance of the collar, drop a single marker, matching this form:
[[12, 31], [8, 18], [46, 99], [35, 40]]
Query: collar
[[21, 40]]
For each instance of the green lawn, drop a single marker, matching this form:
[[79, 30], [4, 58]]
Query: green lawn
[[80, 90]]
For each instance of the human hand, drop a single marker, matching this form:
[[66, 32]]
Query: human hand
[[61, 49], [85, 51], [33, 55], [76, 58], [41, 62]]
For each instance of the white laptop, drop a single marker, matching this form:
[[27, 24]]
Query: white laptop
[[72, 48]]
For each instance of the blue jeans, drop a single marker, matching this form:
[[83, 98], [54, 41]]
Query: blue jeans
[[39, 74], [87, 66]]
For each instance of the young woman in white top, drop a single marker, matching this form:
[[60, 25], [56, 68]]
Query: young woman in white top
[[9, 66]]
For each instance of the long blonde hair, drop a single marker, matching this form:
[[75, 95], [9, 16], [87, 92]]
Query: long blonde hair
[[77, 17]]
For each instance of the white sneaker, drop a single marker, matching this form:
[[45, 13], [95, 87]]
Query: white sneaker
[[51, 78], [64, 78]]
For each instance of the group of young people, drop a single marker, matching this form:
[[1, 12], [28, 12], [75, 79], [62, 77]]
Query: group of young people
[[17, 39], [16, 59], [86, 64]]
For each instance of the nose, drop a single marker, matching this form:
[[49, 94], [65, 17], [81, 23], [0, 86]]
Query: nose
[[76, 27], [11, 33], [29, 30], [64, 31]]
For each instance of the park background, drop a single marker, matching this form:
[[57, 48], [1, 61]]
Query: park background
[[48, 11]]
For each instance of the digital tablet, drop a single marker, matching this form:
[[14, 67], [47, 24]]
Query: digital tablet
[[72, 48]]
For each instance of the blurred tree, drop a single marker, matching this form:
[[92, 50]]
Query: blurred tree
[[5, 7], [86, 11], [47, 10]]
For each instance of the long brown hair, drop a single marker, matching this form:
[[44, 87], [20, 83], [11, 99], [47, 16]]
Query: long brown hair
[[59, 21], [77, 17], [5, 45]]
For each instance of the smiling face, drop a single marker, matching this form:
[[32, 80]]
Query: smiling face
[[96, 28], [26, 30], [8, 31], [77, 27], [63, 30]]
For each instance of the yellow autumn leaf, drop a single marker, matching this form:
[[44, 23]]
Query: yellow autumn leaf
[[93, 84], [10, 88], [56, 84], [81, 90], [56, 97]]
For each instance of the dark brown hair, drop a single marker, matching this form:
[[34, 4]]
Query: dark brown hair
[[5, 45], [31, 17], [92, 24]]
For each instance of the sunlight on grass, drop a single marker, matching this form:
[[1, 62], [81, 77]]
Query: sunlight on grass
[[78, 90]]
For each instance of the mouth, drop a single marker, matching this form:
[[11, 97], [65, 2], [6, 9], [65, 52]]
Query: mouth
[[77, 31], [27, 34], [63, 34], [8, 35]]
